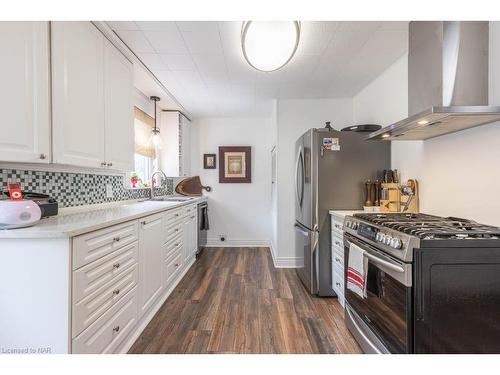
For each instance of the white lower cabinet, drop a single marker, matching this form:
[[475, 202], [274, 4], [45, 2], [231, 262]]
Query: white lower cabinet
[[150, 260], [338, 258], [123, 274]]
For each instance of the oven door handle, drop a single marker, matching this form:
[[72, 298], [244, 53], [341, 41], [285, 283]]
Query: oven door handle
[[384, 263]]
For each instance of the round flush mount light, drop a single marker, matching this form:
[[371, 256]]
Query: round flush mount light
[[269, 45]]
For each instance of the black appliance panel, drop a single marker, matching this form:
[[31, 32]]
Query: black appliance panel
[[457, 300]]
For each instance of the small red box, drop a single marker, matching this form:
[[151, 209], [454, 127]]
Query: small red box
[[15, 192]]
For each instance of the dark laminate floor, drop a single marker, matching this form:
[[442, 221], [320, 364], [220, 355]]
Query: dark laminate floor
[[233, 300]]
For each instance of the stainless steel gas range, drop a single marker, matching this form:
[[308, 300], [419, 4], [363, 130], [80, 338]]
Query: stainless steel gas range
[[433, 284]]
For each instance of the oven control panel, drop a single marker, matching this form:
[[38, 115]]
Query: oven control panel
[[374, 234]]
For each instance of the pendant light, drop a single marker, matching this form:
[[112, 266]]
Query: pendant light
[[269, 45], [155, 139]]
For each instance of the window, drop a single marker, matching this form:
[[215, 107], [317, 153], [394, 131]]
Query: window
[[145, 155]]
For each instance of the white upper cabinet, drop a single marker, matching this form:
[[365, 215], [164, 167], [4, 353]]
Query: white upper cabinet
[[92, 103], [175, 154], [119, 120], [24, 92], [185, 146], [78, 94]]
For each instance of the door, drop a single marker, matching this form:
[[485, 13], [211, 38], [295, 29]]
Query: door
[[77, 94], [304, 177], [387, 309], [306, 244], [150, 260], [24, 92], [119, 120]]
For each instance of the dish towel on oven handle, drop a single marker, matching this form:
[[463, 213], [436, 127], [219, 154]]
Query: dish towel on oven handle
[[357, 267]]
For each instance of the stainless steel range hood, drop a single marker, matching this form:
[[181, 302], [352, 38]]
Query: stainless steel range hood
[[447, 81]]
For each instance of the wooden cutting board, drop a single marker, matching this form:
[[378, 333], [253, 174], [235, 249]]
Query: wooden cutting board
[[191, 186]]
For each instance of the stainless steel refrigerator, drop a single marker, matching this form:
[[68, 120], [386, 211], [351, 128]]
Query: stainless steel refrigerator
[[331, 168]]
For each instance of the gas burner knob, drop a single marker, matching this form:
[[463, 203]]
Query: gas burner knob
[[396, 243], [387, 240], [354, 225], [348, 224], [378, 236], [381, 238]]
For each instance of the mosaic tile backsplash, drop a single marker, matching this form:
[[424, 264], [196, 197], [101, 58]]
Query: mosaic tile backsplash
[[78, 189]]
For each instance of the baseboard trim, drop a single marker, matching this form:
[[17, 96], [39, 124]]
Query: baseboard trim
[[216, 242], [284, 262]]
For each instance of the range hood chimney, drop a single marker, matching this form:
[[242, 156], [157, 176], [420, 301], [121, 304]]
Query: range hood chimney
[[447, 81]]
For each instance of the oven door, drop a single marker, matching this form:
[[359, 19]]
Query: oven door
[[381, 322]]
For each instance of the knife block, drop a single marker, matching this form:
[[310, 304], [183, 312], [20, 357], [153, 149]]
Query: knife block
[[391, 198]]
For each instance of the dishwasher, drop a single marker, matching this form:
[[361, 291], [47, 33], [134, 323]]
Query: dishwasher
[[203, 225]]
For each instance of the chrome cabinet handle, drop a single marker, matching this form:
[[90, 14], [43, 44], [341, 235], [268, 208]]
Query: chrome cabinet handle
[[116, 292], [176, 245], [337, 243], [176, 215], [116, 329], [143, 222], [176, 229], [42, 156], [337, 260], [116, 266], [338, 284], [176, 265], [109, 164], [116, 239], [338, 226], [103, 164]]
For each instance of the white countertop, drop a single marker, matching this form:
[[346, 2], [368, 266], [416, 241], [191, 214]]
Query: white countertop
[[73, 222], [343, 213]]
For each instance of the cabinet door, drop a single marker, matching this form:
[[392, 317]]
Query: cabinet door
[[77, 94], [186, 147], [24, 92], [194, 233], [119, 116], [186, 239], [150, 260]]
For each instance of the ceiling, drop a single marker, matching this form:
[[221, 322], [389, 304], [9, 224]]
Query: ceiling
[[202, 65]]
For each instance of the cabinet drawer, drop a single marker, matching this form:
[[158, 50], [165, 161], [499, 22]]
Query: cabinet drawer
[[91, 246], [106, 333], [338, 278], [337, 258], [173, 231], [337, 226], [175, 244], [89, 309], [173, 215], [173, 267], [91, 277]]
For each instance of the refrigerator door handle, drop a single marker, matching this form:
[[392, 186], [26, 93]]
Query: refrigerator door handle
[[300, 163]]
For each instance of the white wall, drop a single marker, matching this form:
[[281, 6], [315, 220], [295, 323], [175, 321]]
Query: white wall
[[295, 116], [242, 212], [458, 173]]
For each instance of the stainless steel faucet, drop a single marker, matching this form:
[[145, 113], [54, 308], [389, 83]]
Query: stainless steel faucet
[[153, 179]]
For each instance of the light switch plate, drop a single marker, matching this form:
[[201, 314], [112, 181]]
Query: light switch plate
[[109, 191]]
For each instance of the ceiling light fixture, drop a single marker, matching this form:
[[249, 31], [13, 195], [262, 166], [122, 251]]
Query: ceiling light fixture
[[386, 135], [269, 45], [155, 139]]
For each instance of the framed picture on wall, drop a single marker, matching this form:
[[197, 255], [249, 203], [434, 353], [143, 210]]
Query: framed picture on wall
[[209, 161], [235, 164]]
